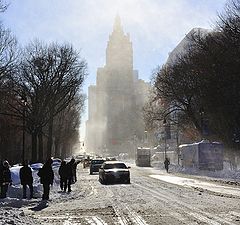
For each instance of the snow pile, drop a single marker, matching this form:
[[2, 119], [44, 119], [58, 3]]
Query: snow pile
[[10, 207], [15, 190], [36, 166], [225, 174], [221, 174], [15, 174]]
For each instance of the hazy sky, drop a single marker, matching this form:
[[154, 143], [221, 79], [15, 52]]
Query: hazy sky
[[155, 26]]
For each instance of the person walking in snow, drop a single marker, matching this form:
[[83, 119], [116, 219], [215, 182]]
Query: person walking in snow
[[70, 174], [63, 175], [75, 163], [46, 178], [166, 164], [5, 178], [26, 179]]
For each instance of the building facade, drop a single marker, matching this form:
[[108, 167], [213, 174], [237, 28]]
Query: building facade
[[115, 103]]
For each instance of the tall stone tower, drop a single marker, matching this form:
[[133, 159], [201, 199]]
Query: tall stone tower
[[115, 102]]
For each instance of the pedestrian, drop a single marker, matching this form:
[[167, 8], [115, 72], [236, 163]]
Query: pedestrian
[[75, 163], [26, 179], [166, 164], [70, 174], [63, 175], [46, 178], [5, 178]]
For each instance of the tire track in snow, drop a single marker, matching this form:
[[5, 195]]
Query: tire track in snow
[[94, 220], [122, 220], [136, 217], [130, 217], [76, 220], [190, 210]]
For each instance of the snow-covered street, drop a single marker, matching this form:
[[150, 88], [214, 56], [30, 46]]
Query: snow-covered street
[[153, 197]]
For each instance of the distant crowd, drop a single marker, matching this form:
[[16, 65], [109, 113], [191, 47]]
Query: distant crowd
[[67, 173]]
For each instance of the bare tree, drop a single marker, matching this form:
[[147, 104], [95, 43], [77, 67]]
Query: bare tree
[[9, 127], [50, 76], [8, 59], [205, 79], [66, 127]]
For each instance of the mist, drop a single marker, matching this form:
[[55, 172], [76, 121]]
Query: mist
[[115, 123]]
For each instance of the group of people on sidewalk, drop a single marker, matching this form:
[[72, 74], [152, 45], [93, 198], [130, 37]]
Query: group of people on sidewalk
[[67, 173], [25, 175]]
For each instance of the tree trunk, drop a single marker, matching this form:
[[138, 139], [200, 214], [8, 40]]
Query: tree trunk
[[64, 151], [40, 146], [57, 147], [34, 147], [50, 136]]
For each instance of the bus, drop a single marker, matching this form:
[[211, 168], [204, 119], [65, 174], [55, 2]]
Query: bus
[[143, 157]]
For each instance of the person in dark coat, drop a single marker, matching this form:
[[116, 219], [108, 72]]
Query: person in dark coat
[[70, 174], [75, 163], [166, 164], [63, 175], [46, 178], [26, 179], [5, 178]]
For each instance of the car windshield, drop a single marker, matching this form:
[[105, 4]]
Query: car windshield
[[115, 166], [97, 161]]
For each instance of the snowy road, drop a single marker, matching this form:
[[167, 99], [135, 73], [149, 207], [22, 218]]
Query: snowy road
[[150, 199]]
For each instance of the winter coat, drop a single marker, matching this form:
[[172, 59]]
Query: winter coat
[[166, 162], [5, 175], [74, 166], [46, 174], [63, 171], [26, 175], [75, 163], [69, 170]]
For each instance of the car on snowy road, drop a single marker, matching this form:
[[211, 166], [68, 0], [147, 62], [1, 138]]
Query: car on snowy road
[[95, 165], [114, 172]]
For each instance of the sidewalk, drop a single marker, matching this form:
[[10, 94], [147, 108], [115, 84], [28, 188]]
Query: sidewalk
[[196, 183], [221, 184]]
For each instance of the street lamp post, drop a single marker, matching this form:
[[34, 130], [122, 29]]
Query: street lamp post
[[165, 139], [177, 136], [24, 101], [203, 124]]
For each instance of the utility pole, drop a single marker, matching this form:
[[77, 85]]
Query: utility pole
[[165, 138], [24, 101]]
